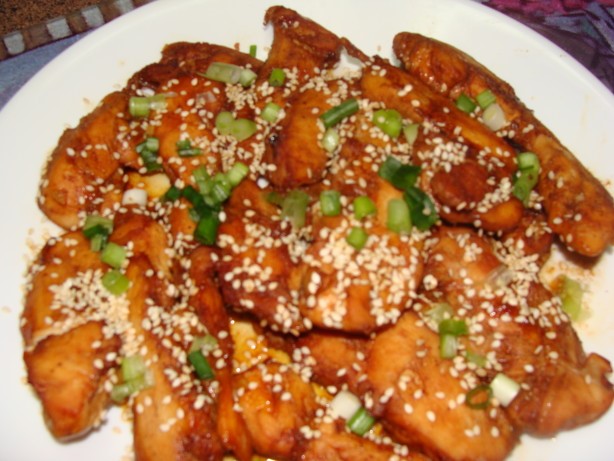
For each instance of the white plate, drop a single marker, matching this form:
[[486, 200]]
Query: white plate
[[578, 108]]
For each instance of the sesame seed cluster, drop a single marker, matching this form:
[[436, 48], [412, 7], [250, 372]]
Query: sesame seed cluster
[[286, 309]]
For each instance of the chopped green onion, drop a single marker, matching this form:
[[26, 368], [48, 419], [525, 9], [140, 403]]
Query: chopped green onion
[[485, 99], [253, 49], [220, 190], [98, 242], [274, 198], [411, 132], [224, 122], [389, 168], [237, 173], [201, 365], [421, 208], [203, 180], [389, 121], [113, 254], [270, 113], [465, 103], [207, 227], [247, 77], [294, 208], [121, 392], [363, 207], [277, 77], [132, 367], [361, 422], [571, 294], [93, 231], [475, 358], [330, 202], [185, 149], [148, 151], [453, 327], [330, 139], [204, 343], [448, 345], [504, 389], [223, 72], [439, 312], [494, 117], [405, 176], [479, 397], [334, 115], [115, 282], [95, 224], [243, 128], [357, 238], [172, 194], [526, 177], [398, 219], [139, 106]]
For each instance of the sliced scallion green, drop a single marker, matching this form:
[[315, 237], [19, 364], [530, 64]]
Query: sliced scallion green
[[115, 282], [113, 254], [277, 77], [398, 218], [357, 238], [448, 346], [237, 173], [185, 148], [389, 121], [201, 366], [465, 103], [207, 227], [270, 113], [388, 168], [172, 194], [485, 98], [253, 50], [330, 202], [363, 207], [361, 422], [334, 115], [421, 208], [571, 293], [453, 327], [405, 176], [223, 72], [479, 397], [411, 132], [294, 208]]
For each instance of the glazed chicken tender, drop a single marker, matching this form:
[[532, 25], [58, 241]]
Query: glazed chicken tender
[[313, 255]]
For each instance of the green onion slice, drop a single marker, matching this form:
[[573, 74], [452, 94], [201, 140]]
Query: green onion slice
[[207, 227], [115, 282], [411, 132], [330, 139], [243, 128], [205, 343], [398, 218], [294, 208], [448, 346], [571, 293], [485, 99], [405, 176], [185, 149], [453, 327], [526, 177], [361, 422], [421, 208], [465, 103], [95, 224], [357, 238], [334, 115], [253, 50], [172, 194], [139, 106], [363, 207], [277, 77], [113, 254], [330, 202], [228, 73], [132, 367], [389, 168], [479, 397], [270, 113], [201, 365], [389, 121], [475, 358], [237, 173]]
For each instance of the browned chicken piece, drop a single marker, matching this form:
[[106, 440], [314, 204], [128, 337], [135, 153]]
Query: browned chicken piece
[[276, 404], [256, 267], [62, 273], [334, 443], [68, 373], [402, 91], [208, 303], [579, 209], [83, 161], [532, 236], [298, 157], [467, 196], [174, 418], [518, 328], [420, 402]]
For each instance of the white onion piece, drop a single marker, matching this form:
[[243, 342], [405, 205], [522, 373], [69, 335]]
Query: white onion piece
[[493, 117], [504, 389], [345, 404], [134, 197]]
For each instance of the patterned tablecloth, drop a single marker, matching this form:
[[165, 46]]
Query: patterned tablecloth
[[583, 28]]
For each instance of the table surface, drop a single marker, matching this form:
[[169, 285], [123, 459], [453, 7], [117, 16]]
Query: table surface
[[585, 29]]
